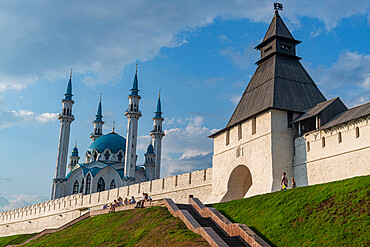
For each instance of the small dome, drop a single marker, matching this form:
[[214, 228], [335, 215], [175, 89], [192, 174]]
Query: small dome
[[112, 141], [75, 152], [150, 149]]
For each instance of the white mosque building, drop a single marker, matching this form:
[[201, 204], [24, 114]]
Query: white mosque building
[[110, 160]]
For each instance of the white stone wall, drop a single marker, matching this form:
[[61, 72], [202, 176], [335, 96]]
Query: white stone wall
[[52, 214], [337, 160]]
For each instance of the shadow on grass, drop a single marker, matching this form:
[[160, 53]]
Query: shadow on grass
[[251, 227]]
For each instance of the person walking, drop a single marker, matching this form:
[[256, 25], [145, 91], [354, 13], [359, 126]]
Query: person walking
[[284, 182]]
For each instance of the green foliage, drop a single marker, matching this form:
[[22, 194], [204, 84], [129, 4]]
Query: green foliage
[[16, 239], [332, 214], [153, 226]]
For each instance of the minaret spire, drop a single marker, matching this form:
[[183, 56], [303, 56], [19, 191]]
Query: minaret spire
[[65, 118], [157, 135], [133, 114], [98, 122]]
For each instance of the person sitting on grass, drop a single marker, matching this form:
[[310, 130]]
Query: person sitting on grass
[[105, 206], [116, 203], [120, 201], [126, 201], [132, 200], [112, 208]]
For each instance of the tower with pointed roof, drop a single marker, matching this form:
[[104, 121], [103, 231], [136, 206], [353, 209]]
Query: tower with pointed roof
[[74, 158], [157, 134], [65, 118], [149, 162], [133, 114], [257, 144], [98, 123]]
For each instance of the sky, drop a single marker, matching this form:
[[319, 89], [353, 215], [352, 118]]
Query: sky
[[199, 53]]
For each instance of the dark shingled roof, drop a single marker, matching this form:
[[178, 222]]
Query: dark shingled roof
[[279, 82], [315, 110], [351, 114]]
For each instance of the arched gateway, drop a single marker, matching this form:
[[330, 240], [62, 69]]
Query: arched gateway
[[240, 181]]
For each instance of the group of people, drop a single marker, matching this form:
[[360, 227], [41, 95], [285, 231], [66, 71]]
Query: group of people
[[284, 182], [120, 202]]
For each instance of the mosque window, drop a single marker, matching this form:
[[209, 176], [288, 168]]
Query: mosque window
[[340, 137], [64, 111], [82, 186], [119, 156], [76, 186], [106, 155], [101, 184], [88, 184], [227, 137], [323, 142], [357, 132], [240, 132], [112, 184], [254, 128], [132, 107], [95, 155]]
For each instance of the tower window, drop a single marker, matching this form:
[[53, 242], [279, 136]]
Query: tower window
[[323, 142], [267, 49], [227, 137], [240, 132], [76, 186], [290, 118], [308, 147], [357, 132], [340, 137], [286, 47], [119, 156], [254, 128]]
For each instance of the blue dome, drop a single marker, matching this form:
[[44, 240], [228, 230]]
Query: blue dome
[[150, 149], [75, 152], [112, 141]]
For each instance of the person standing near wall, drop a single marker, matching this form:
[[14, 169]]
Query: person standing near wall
[[284, 182]]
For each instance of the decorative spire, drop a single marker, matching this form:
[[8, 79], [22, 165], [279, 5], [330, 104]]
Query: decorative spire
[[99, 115], [76, 143], [68, 94], [135, 87], [75, 150], [158, 113], [114, 123]]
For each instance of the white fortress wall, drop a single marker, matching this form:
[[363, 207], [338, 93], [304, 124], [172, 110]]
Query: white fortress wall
[[55, 213], [340, 158]]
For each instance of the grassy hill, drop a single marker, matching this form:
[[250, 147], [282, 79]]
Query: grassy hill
[[16, 239], [332, 214], [153, 226]]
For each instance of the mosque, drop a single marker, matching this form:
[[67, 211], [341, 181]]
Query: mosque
[[110, 160]]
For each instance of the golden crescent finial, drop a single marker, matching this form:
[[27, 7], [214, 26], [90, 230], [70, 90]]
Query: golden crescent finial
[[114, 122], [159, 95], [136, 68], [100, 96], [70, 74], [76, 144]]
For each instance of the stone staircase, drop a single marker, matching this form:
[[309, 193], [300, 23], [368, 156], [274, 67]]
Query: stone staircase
[[208, 222]]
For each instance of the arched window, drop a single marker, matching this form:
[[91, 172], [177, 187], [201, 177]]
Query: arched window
[[106, 155], [88, 184], [237, 152], [101, 184], [64, 111], [308, 147], [95, 156], [112, 184], [82, 185], [76, 186], [119, 156], [323, 142], [357, 132], [340, 137]]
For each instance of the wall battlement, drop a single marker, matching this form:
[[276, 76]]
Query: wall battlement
[[54, 213]]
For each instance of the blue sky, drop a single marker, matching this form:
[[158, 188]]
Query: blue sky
[[200, 53]]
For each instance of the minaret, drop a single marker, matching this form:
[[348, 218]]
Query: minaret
[[74, 158], [65, 118], [98, 124], [133, 114], [157, 135], [149, 162]]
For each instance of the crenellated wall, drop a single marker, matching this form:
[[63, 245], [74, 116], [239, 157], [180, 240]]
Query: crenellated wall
[[328, 155], [55, 213]]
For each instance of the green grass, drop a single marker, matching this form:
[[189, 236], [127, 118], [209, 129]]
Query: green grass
[[332, 214], [16, 239], [153, 226]]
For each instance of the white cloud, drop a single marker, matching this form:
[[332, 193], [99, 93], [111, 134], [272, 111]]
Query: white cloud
[[242, 59], [24, 117], [19, 201], [98, 39], [350, 73]]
